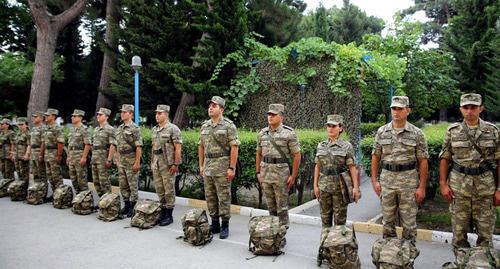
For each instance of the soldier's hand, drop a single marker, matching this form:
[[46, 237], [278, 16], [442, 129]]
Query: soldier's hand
[[447, 193], [356, 194], [26, 158], [230, 175], [316, 192], [59, 159], [83, 161], [290, 181], [108, 164], [40, 159], [260, 178], [497, 198], [201, 170], [173, 169], [420, 195], [136, 167], [376, 187]]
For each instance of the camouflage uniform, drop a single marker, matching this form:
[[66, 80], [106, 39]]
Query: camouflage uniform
[[53, 135], [7, 139], [37, 168], [473, 184], [22, 141], [399, 152], [102, 139], [78, 138]]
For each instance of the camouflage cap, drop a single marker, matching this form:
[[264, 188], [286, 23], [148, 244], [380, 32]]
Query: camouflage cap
[[5, 121], [127, 108], [162, 108], [78, 112], [276, 109], [38, 114], [104, 111], [218, 100], [470, 99], [335, 119], [22, 120], [52, 111], [400, 101]]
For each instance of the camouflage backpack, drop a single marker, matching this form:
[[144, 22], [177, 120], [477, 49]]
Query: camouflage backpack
[[476, 257], [36, 193], [109, 207], [83, 203], [339, 247], [146, 214], [4, 185], [62, 197], [17, 190], [196, 228], [394, 253], [267, 235]]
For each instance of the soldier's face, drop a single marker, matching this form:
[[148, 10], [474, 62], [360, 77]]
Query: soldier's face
[[101, 118], [161, 117], [76, 119], [51, 118], [333, 130], [274, 119], [36, 119], [214, 110], [125, 115], [399, 113], [471, 112], [22, 126]]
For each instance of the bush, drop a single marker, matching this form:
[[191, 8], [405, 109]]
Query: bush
[[370, 128]]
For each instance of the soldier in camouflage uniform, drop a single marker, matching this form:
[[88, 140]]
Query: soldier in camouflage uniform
[[276, 145], [165, 159], [78, 149], [470, 188], [103, 149], [129, 146], [334, 160], [22, 141], [7, 149], [37, 167], [402, 148], [52, 148], [217, 154]]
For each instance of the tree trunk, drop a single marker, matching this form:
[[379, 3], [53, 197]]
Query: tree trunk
[[443, 115]]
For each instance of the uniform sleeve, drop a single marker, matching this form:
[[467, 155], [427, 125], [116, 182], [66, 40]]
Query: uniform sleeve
[[111, 136], [318, 148], [446, 150], [137, 137], [60, 135], [422, 149], [28, 138], [258, 147], [200, 139], [232, 136], [176, 135], [293, 143], [86, 136], [497, 149], [377, 148], [350, 158]]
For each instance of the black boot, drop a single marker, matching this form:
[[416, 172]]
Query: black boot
[[224, 229], [126, 208], [167, 217], [131, 210], [215, 226]]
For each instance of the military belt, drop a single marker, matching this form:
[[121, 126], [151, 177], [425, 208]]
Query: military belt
[[126, 151], [472, 171], [35, 146], [50, 147], [274, 160], [100, 147], [399, 167], [158, 151], [76, 148], [333, 171], [216, 155]]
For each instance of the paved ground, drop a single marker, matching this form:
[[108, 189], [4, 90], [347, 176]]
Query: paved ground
[[44, 237]]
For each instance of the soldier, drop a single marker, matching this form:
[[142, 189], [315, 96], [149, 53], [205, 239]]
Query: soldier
[[37, 167], [217, 155], [22, 142], [129, 144], [276, 144], [473, 148], [103, 149], [52, 149], [165, 159], [7, 144], [334, 160], [402, 148], [78, 149]]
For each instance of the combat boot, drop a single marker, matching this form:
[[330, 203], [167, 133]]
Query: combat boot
[[167, 218], [126, 208], [224, 229], [161, 218], [131, 210], [215, 226]]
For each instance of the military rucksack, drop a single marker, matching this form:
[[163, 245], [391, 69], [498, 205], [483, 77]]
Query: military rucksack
[[267, 235], [394, 253], [339, 247], [62, 197], [196, 228], [17, 190], [4, 186], [109, 207], [83, 203], [146, 214], [36, 193], [475, 257]]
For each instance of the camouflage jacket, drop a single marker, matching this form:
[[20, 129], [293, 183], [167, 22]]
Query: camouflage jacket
[[128, 137], [163, 140], [22, 140], [77, 139], [102, 138], [52, 135], [6, 139], [332, 155]]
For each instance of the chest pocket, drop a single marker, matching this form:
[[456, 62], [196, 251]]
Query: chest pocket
[[487, 145], [323, 158], [386, 144]]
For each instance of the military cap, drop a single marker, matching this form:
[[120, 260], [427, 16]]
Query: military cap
[[162, 108], [470, 99], [6, 121], [127, 108], [335, 119], [400, 101], [38, 114], [276, 109], [78, 112], [22, 120], [218, 100], [52, 111], [104, 111]]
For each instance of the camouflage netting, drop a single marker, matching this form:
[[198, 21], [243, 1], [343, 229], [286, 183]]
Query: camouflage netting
[[307, 109]]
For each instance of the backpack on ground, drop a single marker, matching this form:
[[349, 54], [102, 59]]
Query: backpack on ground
[[146, 214], [37, 193], [339, 247], [109, 207], [4, 186], [18, 190], [394, 253], [196, 228], [267, 235], [475, 257], [62, 197], [83, 203]]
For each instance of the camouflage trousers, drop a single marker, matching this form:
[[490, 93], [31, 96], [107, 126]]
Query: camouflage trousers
[[164, 184], [8, 168], [402, 203], [218, 197], [276, 194], [472, 211], [332, 208], [77, 173], [128, 179], [100, 174], [37, 168], [23, 170], [53, 170]]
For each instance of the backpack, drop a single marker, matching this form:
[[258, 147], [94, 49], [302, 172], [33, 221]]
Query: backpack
[[339, 247], [17, 190], [62, 197], [36, 193], [394, 253], [146, 214], [109, 207], [476, 257], [4, 185], [196, 228], [267, 235], [83, 203]]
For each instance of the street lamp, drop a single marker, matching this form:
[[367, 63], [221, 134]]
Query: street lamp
[[136, 65]]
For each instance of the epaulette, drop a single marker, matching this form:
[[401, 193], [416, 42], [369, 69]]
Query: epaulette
[[228, 120], [454, 125], [491, 125], [288, 127]]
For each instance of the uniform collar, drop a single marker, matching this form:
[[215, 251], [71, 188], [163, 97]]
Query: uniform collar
[[278, 129], [219, 123]]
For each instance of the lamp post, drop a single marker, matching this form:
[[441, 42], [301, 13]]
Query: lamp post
[[136, 65]]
